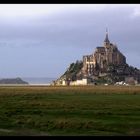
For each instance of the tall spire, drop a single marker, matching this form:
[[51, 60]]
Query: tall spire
[[106, 37]]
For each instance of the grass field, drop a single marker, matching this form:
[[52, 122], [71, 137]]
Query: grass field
[[87, 110]]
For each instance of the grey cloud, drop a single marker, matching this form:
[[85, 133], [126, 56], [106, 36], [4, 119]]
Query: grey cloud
[[72, 33]]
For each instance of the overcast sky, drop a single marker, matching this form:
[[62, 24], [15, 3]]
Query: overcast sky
[[41, 40]]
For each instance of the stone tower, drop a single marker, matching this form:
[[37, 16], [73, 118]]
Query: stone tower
[[106, 41]]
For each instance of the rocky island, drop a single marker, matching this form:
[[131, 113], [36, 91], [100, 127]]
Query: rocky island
[[12, 81], [107, 65]]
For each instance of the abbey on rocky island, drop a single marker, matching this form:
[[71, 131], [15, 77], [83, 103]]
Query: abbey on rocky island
[[106, 65]]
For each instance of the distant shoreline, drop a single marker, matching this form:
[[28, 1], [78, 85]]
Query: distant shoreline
[[39, 80], [40, 84]]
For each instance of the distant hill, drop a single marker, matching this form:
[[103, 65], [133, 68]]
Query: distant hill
[[12, 81]]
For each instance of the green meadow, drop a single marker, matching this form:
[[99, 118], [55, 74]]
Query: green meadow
[[69, 111]]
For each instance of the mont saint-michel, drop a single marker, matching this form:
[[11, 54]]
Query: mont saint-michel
[[107, 65]]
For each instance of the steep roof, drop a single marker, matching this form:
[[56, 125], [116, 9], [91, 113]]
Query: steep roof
[[106, 37]]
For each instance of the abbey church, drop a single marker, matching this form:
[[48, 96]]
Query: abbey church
[[102, 57]]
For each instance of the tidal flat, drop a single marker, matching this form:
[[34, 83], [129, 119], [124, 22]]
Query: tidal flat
[[69, 110]]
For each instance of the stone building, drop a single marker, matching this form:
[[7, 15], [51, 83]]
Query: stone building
[[102, 57]]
